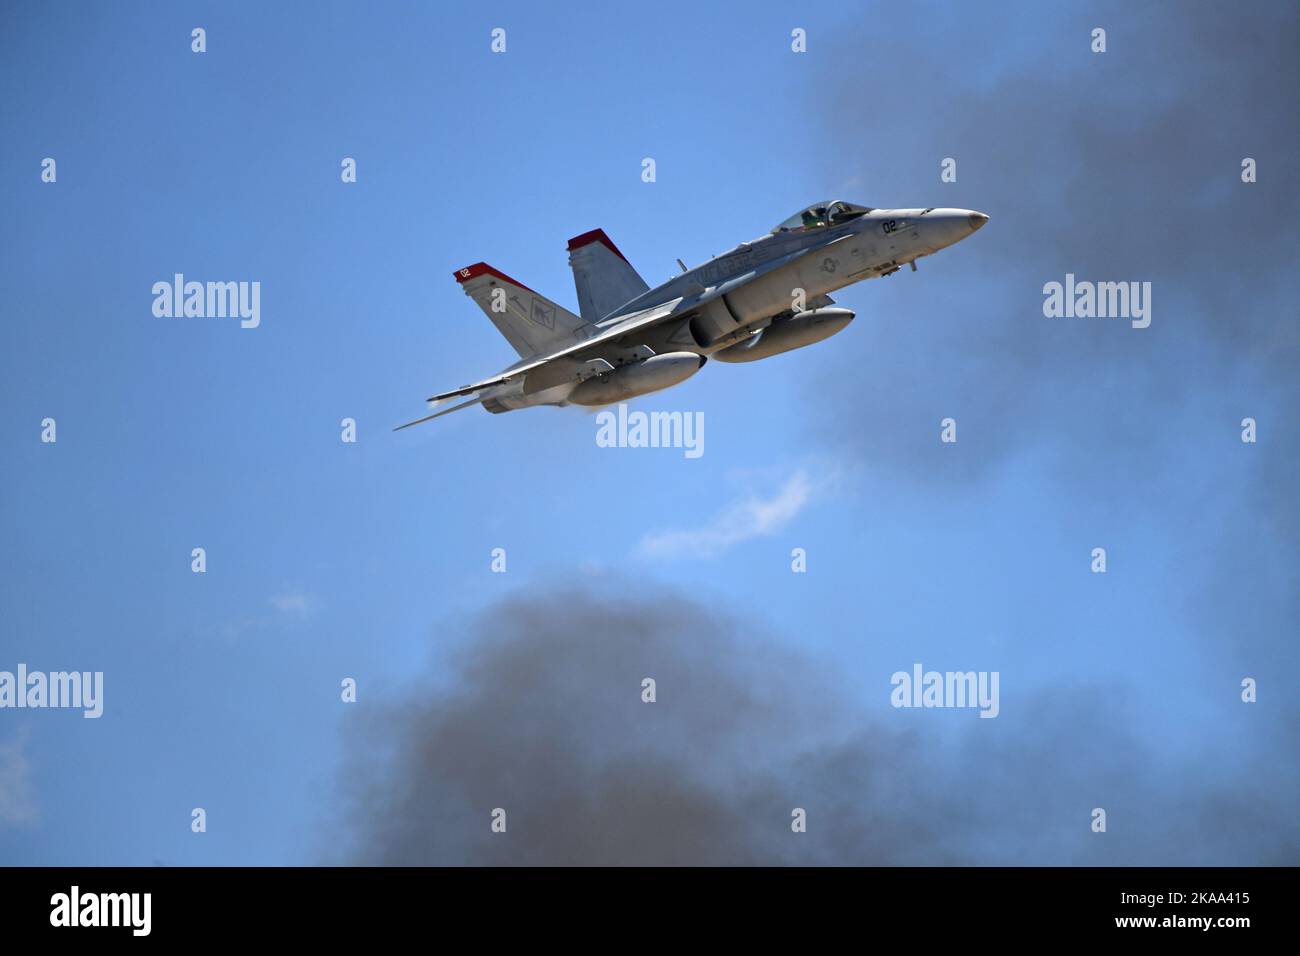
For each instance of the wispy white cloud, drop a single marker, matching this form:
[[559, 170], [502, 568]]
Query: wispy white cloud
[[291, 607], [751, 517], [292, 602], [17, 792]]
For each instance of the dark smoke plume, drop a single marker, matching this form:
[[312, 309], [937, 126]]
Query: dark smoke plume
[[542, 716]]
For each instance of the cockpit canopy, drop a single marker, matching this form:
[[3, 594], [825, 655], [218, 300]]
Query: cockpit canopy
[[821, 214]]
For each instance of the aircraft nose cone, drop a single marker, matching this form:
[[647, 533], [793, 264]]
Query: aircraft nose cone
[[976, 219]]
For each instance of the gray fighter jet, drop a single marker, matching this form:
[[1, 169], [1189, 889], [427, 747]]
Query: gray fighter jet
[[759, 299]]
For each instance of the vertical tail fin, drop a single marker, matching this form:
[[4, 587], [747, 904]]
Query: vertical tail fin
[[531, 323], [604, 278]]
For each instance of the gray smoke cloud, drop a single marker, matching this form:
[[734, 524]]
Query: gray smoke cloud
[[1124, 165], [541, 715], [1116, 166]]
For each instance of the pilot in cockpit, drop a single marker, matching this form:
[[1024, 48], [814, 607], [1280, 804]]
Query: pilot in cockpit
[[813, 217]]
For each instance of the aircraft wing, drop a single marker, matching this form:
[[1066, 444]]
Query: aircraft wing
[[626, 325], [634, 322]]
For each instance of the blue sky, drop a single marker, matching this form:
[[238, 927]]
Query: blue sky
[[328, 560]]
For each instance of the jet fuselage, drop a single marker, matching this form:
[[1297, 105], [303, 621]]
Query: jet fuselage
[[760, 299], [816, 263]]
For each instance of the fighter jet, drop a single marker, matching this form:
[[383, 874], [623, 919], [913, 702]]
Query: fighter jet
[[757, 300]]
